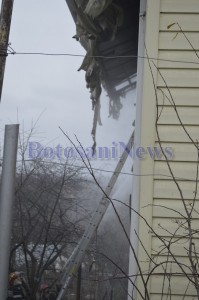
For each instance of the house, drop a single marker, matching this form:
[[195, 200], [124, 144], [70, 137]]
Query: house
[[166, 192], [165, 203]]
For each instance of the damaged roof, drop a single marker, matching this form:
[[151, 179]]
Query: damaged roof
[[108, 30]]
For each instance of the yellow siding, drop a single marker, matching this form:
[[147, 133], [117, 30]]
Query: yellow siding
[[167, 189], [176, 133], [178, 59], [165, 297], [177, 89], [188, 115], [165, 226], [179, 170], [179, 6], [181, 152], [183, 96], [161, 258], [176, 41], [172, 208], [178, 285], [179, 245], [178, 78], [188, 22]]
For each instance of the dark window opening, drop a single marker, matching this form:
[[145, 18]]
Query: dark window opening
[[119, 73], [114, 47]]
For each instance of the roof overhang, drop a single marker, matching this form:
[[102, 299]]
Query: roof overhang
[[111, 50]]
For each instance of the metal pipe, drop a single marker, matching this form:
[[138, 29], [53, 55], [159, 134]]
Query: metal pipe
[[5, 21], [6, 202]]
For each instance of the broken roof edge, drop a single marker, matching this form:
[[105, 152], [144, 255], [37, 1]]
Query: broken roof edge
[[92, 29], [93, 36]]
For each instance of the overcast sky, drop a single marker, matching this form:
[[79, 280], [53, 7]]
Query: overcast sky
[[50, 86]]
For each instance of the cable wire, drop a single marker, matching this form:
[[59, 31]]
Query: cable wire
[[98, 56], [112, 172]]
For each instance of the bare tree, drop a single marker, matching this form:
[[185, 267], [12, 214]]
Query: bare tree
[[48, 216]]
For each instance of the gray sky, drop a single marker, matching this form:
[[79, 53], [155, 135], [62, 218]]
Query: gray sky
[[51, 86]]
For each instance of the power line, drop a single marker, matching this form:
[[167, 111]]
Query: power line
[[3, 53], [110, 171]]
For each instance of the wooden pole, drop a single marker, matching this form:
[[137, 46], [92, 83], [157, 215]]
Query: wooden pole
[[5, 22]]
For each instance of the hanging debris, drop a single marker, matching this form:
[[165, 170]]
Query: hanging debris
[[108, 31], [96, 21]]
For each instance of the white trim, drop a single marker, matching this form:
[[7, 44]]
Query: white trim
[[137, 141], [145, 136]]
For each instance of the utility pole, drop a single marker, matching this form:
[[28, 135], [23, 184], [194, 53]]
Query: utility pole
[[6, 202], [5, 21]]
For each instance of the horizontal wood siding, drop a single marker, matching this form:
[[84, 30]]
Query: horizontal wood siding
[[179, 169], [177, 102], [180, 6], [177, 297], [176, 41], [165, 226], [187, 115], [173, 208], [178, 78], [167, 189], [181, 152], [178, 134], [179, 246], [188, 22], [170, 59], [178, 285], [181, 96]]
